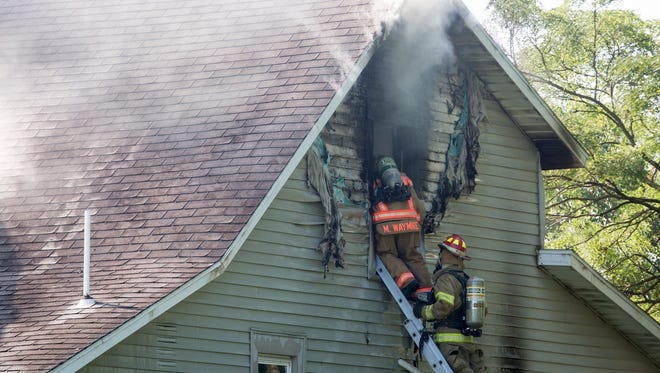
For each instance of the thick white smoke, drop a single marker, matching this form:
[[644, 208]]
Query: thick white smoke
[[416, 49], [14, 164], [421, 43]]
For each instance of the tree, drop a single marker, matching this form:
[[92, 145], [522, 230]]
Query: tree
[[515, 16], [600, 70]]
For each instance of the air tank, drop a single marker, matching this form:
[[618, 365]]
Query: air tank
[[475, 312]]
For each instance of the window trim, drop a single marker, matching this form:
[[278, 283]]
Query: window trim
[[268, 345]]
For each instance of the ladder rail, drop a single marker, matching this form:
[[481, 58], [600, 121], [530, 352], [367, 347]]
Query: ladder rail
[[413, 325]]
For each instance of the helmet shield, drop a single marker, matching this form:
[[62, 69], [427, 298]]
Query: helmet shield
[[455, 244]]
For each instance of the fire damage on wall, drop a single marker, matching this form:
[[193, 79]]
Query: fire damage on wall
[[434, 137]]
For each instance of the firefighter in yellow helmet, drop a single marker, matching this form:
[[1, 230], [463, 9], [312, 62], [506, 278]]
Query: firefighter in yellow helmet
[[459, 310], [397, 215]]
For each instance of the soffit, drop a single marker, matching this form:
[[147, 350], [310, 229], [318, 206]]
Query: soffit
[[557, 147]]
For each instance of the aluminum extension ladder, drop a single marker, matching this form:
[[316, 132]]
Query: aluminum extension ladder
[[413, 325]]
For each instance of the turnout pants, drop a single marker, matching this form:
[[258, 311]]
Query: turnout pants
[[399, 254], [464, 357]]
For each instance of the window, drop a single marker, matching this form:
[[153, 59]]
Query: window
[[273, 352], [274, 364]]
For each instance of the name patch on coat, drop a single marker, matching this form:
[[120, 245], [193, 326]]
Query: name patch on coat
[[398, 227]]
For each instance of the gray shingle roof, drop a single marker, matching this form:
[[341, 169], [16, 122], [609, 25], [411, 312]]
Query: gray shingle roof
[[169, 121]]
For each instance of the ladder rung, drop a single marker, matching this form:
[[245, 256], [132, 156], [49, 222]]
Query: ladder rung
[[413, 325]]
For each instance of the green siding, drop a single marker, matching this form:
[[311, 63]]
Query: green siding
[[533, 323], [276, 282]]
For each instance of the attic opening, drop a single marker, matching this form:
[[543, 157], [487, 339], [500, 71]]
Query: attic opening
[[419, 106], [405, 143], [424, 106]]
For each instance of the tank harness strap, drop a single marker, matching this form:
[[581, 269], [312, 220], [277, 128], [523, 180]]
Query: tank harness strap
[[456, 320], [385, 214]]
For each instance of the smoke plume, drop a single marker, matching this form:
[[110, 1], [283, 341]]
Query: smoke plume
[[419, 46]]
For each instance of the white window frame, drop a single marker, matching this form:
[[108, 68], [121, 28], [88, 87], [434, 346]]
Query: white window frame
[[275, 360]]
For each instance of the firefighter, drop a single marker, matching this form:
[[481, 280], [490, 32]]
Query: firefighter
[[397, 214], [455, 324]]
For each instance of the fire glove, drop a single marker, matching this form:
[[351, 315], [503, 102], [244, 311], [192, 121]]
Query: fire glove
[[423, 311], [417, 309]]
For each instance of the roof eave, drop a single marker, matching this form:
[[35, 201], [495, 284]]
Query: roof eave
[[604, 299], [561, 149]]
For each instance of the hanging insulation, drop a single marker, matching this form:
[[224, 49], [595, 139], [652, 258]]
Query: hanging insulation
[[318, 176]]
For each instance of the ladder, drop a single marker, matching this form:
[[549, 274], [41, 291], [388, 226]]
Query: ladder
[[413, 325]]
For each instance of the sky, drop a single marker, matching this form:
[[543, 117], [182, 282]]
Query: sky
[[647, 9]]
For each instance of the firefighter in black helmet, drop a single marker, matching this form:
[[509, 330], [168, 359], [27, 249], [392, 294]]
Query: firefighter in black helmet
[[397, 214]]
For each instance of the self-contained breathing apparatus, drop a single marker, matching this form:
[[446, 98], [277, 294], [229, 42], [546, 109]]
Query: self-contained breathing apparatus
[[469, 318], [390, 187]]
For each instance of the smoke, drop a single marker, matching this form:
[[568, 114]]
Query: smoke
[[384, 14], [425, 25], [374, 20], [419, 47], [14, 165], [421, 33], [407, 76]]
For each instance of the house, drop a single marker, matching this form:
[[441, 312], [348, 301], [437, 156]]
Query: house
[[185, 130]]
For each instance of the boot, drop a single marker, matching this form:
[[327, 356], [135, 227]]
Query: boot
[[409, 288]]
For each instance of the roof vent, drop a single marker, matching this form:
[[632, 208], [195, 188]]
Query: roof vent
[[86, 300]]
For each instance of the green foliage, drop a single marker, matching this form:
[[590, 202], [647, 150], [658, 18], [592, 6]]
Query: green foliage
[[515, 16], [600, 70]]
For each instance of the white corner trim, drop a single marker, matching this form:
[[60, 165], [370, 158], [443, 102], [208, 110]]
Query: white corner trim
[[540, 187]]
